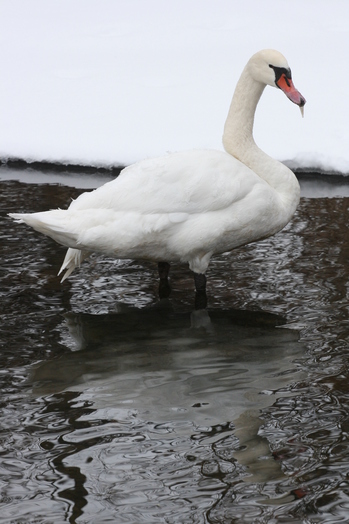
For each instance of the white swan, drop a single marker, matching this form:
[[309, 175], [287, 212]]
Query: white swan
[[189, 205]]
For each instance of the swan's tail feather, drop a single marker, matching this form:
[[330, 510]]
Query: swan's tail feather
[[51, 224], [73, 259]]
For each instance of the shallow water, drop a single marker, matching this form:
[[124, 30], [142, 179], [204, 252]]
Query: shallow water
[[119, 407]]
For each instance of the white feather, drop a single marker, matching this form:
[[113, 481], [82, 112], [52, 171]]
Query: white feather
[[188, 205]]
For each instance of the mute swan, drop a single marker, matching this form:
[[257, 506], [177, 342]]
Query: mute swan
[[187, 206]]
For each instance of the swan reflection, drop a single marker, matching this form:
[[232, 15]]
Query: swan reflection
[[187, 372]]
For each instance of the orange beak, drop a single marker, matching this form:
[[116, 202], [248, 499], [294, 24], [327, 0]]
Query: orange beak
[[286, 85]]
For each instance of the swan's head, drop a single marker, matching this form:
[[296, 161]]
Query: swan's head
[[271, 68]]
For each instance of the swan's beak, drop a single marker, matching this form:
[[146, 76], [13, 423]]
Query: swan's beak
[[286, 85]]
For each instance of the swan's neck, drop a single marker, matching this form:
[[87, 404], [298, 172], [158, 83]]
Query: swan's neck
[[238, 141], [238, 129]]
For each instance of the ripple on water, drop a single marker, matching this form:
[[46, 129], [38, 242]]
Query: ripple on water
[[116, 407]]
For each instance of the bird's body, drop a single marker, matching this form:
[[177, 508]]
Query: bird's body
[[189, 205]]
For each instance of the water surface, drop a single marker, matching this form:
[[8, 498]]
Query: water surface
[[120, 407]]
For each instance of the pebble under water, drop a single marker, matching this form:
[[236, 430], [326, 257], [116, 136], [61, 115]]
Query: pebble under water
[[120, 407]]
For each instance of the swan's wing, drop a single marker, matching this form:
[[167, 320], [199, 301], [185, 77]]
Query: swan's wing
[[164, 208], [185, 182]]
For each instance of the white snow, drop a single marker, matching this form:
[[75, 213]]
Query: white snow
[[108, 82]]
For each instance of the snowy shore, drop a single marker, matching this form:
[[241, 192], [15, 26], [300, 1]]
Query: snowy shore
[[106, 83]]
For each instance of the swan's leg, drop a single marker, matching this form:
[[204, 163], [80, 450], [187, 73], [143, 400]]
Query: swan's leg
[[164, 286], [200, 288], [164, 269], [200, 282]]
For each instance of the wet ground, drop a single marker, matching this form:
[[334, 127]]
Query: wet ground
[[119, 407]]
